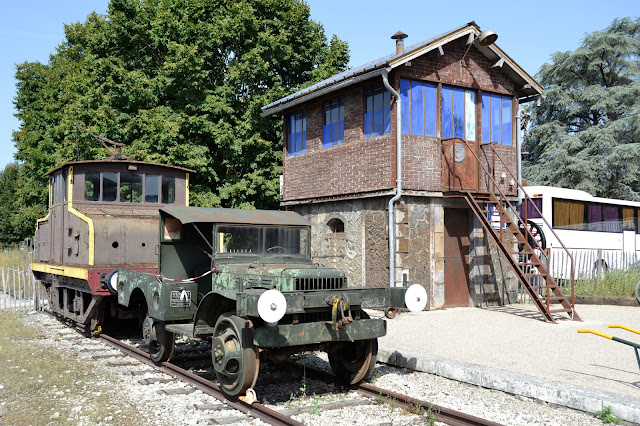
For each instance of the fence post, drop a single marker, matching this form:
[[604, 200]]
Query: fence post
[[4, 290]]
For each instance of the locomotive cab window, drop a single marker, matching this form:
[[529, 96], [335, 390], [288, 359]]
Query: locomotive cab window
[[130, 187], [123, 187]]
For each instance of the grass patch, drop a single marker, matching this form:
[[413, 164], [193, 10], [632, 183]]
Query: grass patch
[[41, 386], [612, 283], [15, 258]]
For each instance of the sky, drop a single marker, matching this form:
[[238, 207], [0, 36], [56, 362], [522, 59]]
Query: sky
[[529, 32]]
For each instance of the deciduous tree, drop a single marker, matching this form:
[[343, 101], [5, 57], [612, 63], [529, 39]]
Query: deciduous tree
[[178, 82]]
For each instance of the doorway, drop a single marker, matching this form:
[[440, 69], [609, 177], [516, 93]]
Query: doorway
[[456, 258]]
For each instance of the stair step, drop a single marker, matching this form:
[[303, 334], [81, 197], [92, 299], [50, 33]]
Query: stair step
[[538, 287], [530, 274], [554, 298], [557, 311]]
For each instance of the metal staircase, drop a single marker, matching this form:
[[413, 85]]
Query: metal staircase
[[514, 239]]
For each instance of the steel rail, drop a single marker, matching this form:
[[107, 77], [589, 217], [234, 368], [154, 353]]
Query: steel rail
[[255, 410], [413, 405]]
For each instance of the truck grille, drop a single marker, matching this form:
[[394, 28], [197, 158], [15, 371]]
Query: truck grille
[[304, 284]]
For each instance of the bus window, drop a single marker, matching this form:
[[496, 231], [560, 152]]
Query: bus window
[[527, 207], [168, 189], [629, 219], [130, 187], [151, 188], [612, 220], [568, 214], [92, 186], [109, 186]]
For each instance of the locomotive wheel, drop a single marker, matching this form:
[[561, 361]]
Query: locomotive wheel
[[352, 362], [161, 347], [235, 357]]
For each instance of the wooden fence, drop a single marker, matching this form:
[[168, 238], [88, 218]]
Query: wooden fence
[[19, 290]]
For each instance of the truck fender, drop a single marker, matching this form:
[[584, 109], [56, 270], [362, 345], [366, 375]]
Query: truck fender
[[212, 306]]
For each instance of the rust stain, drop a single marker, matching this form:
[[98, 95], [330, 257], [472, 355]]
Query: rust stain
[[301, 334]]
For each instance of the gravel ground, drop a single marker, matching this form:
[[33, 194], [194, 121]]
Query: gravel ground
[[515, 338], [116, 381]]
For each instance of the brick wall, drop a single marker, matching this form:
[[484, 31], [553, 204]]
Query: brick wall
[[361, 165]]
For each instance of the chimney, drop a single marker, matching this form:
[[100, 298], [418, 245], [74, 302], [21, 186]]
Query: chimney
[[399, 38]]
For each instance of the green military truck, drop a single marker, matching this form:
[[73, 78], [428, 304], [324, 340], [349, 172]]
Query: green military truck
[[245, 280]]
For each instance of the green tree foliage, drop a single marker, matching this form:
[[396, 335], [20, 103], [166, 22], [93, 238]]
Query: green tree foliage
[[585, 134], [179, 82]]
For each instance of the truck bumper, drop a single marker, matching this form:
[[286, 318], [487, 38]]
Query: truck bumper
[[318, 332]]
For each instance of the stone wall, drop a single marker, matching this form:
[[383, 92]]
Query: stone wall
[[362, 249]]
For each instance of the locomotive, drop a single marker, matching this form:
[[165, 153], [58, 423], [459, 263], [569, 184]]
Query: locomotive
[[121, 242]]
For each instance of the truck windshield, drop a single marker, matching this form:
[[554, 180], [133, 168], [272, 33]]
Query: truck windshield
[[263, 240]]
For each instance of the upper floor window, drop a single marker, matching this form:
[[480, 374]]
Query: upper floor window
[[333, 129], [418, 107], [458, 113], [377, 111], [497, 116], [297, 140]]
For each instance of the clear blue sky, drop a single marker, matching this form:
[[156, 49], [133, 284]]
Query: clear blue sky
[[529, 32]]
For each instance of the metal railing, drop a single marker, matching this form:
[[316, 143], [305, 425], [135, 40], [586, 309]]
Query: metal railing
[[19, 290], [493, 187]]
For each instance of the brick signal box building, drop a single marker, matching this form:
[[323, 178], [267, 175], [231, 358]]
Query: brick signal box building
[[458, 96]]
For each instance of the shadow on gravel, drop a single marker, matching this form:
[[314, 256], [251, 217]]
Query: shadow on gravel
[[522, 313]]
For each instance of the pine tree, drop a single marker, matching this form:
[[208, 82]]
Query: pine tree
[[585, 134]]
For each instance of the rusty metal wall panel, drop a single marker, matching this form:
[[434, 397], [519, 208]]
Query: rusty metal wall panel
[[456, 257], [124, 239], [461, 172]]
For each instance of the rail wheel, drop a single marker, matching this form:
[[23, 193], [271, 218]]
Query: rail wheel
[[352, 362], [235, 357], [161, 342]]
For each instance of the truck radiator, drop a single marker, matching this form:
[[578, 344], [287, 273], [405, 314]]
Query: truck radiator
[[305, 284]]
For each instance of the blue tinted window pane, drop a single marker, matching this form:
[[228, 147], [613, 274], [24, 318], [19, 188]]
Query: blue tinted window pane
[[405, 99], [378, 124], [335, 133], [430, 109], [326, 136], [470, 115], [447, 113], [458, 113], [495, 118], [387, 120], [506, 121], [417, 108], [486, 117], [341, 139], [368, 125]]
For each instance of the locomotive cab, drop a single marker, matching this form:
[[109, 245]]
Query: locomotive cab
[[103, 215], [245, 279]]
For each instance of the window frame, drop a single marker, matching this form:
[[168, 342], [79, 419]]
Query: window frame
[[459, 94], [383, 113], [424, 95], [292, 132], [333, 131], [489, 124]]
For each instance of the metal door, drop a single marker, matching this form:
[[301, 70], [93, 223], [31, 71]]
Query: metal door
[[456, 257], [459, 166]]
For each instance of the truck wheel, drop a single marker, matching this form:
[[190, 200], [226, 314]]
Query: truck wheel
[[161, 342], [235, 357]]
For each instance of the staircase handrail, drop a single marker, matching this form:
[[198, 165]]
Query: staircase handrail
[[504, 197]]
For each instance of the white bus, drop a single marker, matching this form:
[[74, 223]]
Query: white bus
[[600, 233]]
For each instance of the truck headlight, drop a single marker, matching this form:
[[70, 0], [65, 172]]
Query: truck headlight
[[272, 306]]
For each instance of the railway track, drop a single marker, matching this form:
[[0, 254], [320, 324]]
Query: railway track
[[369, 394]]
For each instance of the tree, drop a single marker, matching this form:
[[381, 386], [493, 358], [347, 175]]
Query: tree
[[585, 133], [179, 82]]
